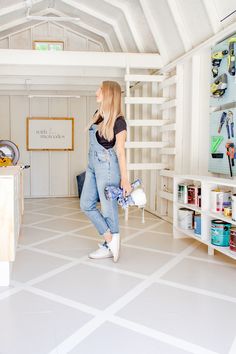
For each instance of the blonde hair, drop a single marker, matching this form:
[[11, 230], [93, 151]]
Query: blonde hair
[[110, 109]]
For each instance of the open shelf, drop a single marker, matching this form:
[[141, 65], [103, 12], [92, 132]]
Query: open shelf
[[207, 184], [189, 206], [224, 250]]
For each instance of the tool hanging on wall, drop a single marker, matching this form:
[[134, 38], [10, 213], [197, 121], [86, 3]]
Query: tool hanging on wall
[[231, 57], [230, 124], [219, 86], [222, 121], [215, 143], [216, 60], [230, 153], [227, 117]]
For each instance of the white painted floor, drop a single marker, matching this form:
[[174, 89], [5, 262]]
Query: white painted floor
[[164, 296]]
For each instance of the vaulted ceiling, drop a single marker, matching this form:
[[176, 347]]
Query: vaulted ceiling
[[169, 27]]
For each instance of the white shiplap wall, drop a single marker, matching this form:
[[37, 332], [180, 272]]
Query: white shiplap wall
[[51, 173], [49, 31]]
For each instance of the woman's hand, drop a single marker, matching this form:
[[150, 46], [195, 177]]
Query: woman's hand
[[125, 185]]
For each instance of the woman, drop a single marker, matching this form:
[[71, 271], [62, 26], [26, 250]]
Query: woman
[[106, 167]]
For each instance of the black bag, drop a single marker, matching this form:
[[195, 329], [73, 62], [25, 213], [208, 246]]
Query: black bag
[[80, 182]]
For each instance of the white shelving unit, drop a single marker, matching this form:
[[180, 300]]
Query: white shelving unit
[[207, 184], [145, 121], [158, 91]]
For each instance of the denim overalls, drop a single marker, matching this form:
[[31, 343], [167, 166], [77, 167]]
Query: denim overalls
[[102, 170]]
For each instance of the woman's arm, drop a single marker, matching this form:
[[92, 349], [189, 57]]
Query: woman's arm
[[120, 150]]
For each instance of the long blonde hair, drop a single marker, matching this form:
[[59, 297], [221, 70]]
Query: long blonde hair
[[109, 110]]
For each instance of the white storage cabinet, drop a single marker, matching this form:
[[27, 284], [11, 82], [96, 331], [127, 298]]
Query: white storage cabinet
[[207, 184]]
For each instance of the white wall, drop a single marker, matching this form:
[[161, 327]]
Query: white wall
[[51, 173], [48, 31]]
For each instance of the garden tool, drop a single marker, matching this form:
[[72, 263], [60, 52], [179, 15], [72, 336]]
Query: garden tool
[[231, 57], [216, 60], [219, 86], [222, 121], [215, 143], [230, 153], [230, 124]]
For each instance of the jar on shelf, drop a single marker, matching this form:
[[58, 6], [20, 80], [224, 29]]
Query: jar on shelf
[[185, 218], [220, 233]]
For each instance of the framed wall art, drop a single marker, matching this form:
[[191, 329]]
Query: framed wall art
[[54, 134]]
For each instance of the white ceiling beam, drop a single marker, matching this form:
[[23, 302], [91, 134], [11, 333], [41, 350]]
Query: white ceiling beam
[[66, 27], [212, 14], [61, 80], [206, 45], [178, 19], [82, 25], [23, 20], [62, 59], [16, 7], [156, 32], [66, 73], [100, 16], [14, 23], [130, 22]]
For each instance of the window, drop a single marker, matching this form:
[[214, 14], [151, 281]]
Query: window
[[48, 45]]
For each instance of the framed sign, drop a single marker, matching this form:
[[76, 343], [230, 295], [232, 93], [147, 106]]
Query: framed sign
[[55, 134]]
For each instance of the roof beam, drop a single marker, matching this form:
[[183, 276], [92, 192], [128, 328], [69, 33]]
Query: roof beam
[[22, 5], [82, 25], [33, 58], [101, 17], [207, 44], [155, 30], [129, 19], [56, 12], [213, 16], [183, 33]]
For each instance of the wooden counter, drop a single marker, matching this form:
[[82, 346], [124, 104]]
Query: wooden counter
[[11, 212]]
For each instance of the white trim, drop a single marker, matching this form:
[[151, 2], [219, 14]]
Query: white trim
[[87, 27], [229, 30], [154, 30], [178, 19], [167, 173], [195, 112], [166, 195], [13, 8], [145, 144], [101, 17], [52, 18], [145, 78], [146, 166], [146, 122], [145, 100], [168, 82], [212, 14], [168, 127], [71, 58], [53, 96], [129, 19]]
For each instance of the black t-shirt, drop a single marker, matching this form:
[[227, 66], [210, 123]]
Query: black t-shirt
[[119, 126]]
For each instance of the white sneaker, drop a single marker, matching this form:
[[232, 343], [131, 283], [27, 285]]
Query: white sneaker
[[114, 246], [101, 252]]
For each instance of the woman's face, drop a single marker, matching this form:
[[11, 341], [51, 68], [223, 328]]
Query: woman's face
[[99, 95]]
